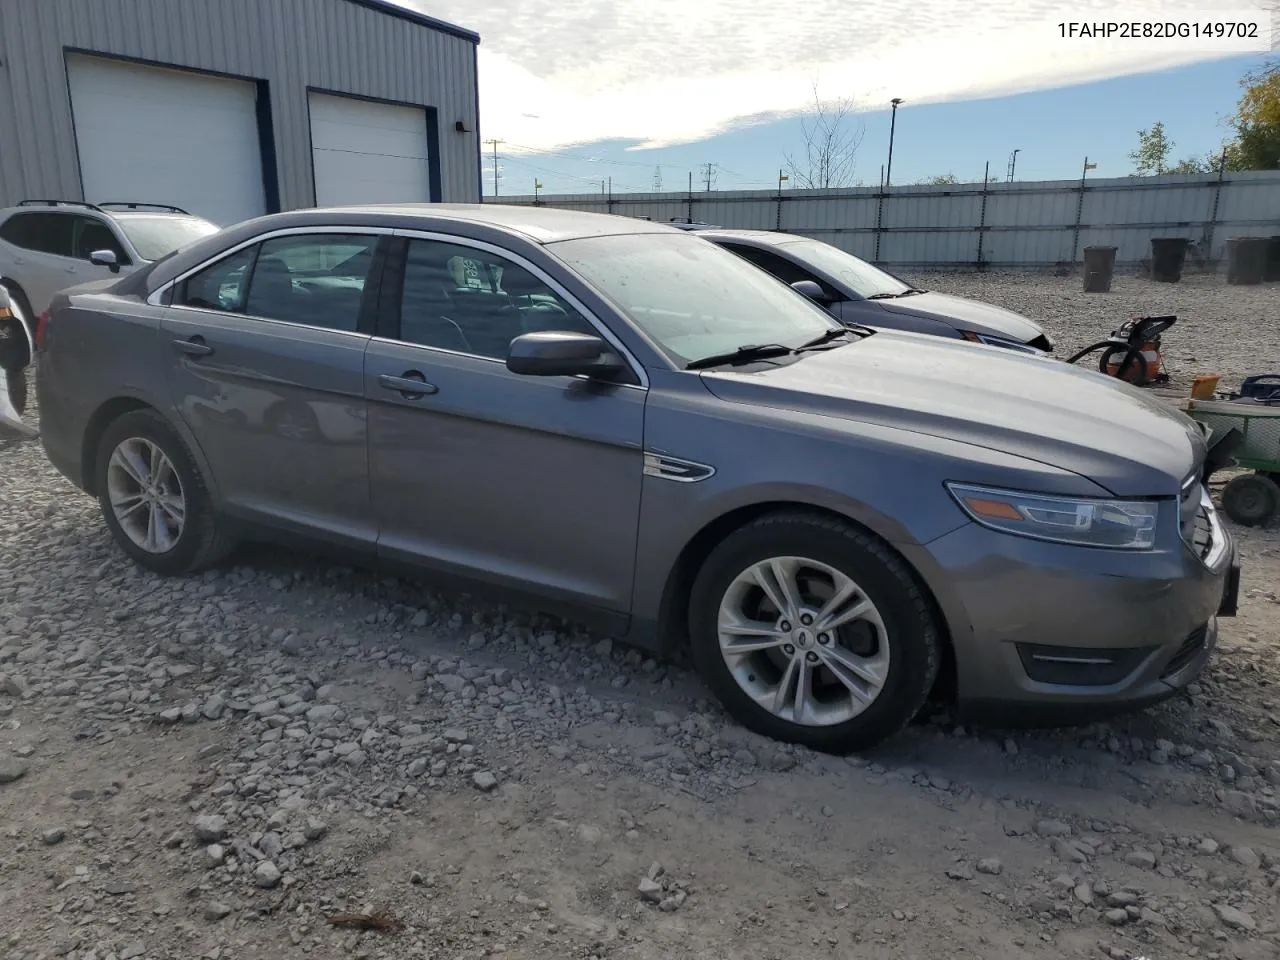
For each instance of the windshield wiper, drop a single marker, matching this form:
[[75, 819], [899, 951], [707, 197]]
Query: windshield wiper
[[889, 296], [827, 337], [746, 353]]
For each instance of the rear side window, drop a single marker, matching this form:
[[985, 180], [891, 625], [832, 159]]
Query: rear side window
[[222, 286], [317, 280], [41, 232]]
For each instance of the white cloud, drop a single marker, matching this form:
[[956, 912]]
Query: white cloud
[[559, 72]]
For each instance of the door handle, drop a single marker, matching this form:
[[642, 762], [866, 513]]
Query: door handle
[[195, 347], [410, 386]]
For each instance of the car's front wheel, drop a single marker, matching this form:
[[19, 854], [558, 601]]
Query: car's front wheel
[[812, 631], [154, 499]]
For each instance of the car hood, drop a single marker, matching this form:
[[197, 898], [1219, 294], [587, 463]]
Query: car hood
[[965, 314], [1021, 404]]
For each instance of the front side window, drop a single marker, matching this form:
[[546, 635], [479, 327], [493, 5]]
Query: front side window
[[693, 298], [92, 234], [472, 301]]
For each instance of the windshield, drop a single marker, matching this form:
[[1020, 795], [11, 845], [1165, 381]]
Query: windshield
[[155, 237], [693, 298], [858, 275]]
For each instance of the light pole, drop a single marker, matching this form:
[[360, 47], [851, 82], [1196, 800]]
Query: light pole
[[1013, 162], [893, 120]]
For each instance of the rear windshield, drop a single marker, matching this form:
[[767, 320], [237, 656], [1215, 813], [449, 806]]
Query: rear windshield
[[155, 237]]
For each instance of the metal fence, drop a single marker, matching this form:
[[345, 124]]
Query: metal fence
[[1042, 224]]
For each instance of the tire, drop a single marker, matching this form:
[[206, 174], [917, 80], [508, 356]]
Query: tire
[[1136, 370], [201, 539], [1251, 499], [898, 642]]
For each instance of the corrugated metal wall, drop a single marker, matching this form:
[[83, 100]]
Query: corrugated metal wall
[[1005, 224], [337, 45]]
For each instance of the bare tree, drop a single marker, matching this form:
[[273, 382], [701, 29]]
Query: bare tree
[[831, 142]]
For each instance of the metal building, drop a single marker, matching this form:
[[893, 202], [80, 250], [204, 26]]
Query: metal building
[[234, 108]]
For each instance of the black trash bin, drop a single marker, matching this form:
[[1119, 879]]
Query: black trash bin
[[1247, 260], [1273, 260], [1167, 256], [1099, 268]]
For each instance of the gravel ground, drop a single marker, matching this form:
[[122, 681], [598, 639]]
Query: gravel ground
[[1228, 330], [221, 766]]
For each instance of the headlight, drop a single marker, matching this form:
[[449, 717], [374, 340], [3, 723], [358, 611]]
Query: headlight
[[1086, 522], [994, 341]]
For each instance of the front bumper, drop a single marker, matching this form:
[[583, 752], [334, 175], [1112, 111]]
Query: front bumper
[[1048, 633]]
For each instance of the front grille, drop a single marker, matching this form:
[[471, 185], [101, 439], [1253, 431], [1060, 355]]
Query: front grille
[[1188, 651], [1080, 666]]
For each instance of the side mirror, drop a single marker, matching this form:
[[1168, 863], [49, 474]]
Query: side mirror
[[558, 353], [105, 258], [813, 290]]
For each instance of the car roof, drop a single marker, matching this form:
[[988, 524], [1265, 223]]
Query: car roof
[[540, 224]]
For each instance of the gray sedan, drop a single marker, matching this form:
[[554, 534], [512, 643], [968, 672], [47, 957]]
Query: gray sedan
[[618, 420]]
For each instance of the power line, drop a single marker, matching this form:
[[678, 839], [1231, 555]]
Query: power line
[[709, 174]]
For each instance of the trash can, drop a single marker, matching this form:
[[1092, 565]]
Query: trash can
[[1273, 260], [1099, 268], [1167, 257], [1247, 260]]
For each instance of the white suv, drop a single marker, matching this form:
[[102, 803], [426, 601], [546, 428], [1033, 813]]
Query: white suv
[[49, 245]]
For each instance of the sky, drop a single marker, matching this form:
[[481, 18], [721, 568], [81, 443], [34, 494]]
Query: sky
[[579, 91]]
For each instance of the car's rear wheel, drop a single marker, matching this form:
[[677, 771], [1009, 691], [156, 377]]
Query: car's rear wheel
[[154, 499], [812, 631]]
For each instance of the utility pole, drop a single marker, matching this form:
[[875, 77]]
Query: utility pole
[[708, 173], [536, 187], [1013, 162], [1075, 238], [657, 179], [893, 122], [495, 164]]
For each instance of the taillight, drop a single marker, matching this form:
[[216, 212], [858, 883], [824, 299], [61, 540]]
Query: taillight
[[41, 323]]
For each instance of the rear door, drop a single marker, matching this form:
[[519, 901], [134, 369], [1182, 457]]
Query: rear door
[[41, 259], [265, 353]]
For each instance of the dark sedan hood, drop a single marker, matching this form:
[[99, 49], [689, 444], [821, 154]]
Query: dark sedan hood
[[1020, 404], [965, 314]]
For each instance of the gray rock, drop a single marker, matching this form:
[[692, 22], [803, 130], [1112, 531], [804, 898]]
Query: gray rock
[[214, 854], [1233, 918], [171, 716], [1122, 898], [1208, 846], [1141, 858], [132, 952], [1240, 804], [604, 647], [214, 707], [271, 845], [1083, 892], [1068, 851], [1053, 828], [11, 768], [451, 682], [53, 836], [315, 830], [216, 911], [456, 736], [1201, 758], [991, 866], [417, 768], [210, 828], [650, 890], [1118, 917], [665, 718], [323, 713], [960, 871], [266, 875], [1245, 857], [484, 780], [14, 686]]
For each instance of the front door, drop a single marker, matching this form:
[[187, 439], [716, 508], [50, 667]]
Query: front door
[[266, 364], [526, 482]]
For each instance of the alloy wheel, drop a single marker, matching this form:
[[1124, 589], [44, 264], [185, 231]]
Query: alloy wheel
[[146, 495]]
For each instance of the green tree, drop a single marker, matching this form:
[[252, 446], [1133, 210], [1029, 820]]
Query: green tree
[[1256, 122], [1151, 158], [940, 180], [1195, 165]]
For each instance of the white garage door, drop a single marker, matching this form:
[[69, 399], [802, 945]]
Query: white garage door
[[366, 152], [167, 136]]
